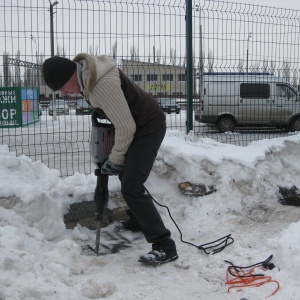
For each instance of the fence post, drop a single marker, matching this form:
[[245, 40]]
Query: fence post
[[52, 53], [189, 69]]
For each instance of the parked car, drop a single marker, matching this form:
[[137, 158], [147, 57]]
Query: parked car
[[61, 107], [254, 99], [83, 108], [168, 105]]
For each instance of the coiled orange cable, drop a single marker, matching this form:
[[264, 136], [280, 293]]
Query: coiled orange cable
[[241, 279]]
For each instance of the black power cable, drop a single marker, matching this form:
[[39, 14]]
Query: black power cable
[[266, 264], [216, 246]]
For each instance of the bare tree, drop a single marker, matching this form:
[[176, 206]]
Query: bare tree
[[272, 67], [279, 73], [286, 70], [41, 59], [28, 77], [17, 81], [93, 50], [7, 76], [241, 65], [295, 79], [201, 61], [165, 59], [158, 56], [183, 63], [60, 51], [210, 61], [134, 53], [114, 49], [193, 59], [172, 56], [265, 65]]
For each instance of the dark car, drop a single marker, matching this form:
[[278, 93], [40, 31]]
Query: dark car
[[83, 108], [169, 105]]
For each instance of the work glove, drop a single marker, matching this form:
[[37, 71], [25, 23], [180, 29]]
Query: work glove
[[109, 168]]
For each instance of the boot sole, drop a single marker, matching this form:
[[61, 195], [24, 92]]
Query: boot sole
[[157, 262]]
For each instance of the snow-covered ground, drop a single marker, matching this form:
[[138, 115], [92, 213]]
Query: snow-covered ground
[[41, 259], [64, 143]]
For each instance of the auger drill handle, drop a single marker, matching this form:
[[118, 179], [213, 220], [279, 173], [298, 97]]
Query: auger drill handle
[[102, 140], [99, 114]]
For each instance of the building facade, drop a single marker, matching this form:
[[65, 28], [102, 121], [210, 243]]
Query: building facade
[[158, 79]]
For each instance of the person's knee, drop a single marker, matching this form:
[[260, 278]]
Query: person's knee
[[130, 191]]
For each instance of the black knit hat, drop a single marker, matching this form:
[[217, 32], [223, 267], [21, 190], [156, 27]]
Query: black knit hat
[[57, 71]]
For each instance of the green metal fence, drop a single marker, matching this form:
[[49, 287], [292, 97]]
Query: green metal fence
[[166, 47]]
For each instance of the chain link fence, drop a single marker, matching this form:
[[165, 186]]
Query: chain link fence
[[245, 70]]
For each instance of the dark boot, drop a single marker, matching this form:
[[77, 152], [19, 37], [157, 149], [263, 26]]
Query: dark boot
[[131, 224], [161, 253], [157, 257]]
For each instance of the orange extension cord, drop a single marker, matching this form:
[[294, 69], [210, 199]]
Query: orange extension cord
[[239, 278]]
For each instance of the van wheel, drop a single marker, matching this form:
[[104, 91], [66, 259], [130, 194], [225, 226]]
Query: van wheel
[[226, 123], [295, 125]]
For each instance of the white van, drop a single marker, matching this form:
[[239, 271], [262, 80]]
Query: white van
[[235, 99]]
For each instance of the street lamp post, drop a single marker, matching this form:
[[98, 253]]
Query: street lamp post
[[51, 26], [249, 36], [37, 63], [52, 52]]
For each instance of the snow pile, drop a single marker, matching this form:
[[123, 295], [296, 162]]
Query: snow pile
[[40, 259]]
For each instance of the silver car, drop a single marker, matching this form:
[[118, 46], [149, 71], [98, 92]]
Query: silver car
[[61, 107]]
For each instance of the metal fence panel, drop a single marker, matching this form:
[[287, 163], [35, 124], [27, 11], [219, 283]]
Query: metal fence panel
[[148, 41]]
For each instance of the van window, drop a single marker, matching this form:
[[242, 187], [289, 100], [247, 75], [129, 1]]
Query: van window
[[218, 89], [255, 90], [284, 91]]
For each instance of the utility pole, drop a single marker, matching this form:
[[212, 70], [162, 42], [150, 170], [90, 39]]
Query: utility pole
[[51, 26], [52, 52], [249, 36], [37, 63]]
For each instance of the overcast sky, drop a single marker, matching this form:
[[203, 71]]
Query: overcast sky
[[289, 4], [78, 25]]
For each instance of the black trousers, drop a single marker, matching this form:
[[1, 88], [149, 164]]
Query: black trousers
[[137, 167]]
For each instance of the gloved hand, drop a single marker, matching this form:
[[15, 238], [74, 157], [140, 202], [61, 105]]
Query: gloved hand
[[109, 168]]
